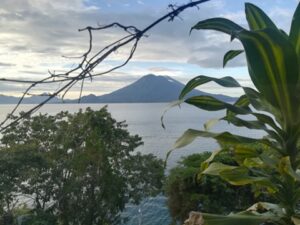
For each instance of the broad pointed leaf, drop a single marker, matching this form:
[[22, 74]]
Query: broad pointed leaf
[[245, 151], [285, 167], [243, 101], [230, 55], [295, 31], [257, 19], [199, 80], [272, 74], [210, 103], [219, 24], [269, 121], [239, 176], [217, 168], [252, 162], [253, 124], [244, 218], [206, 163], [226, 138]]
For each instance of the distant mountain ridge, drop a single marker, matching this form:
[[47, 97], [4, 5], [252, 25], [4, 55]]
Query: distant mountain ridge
[[148, 89], [4, 99]]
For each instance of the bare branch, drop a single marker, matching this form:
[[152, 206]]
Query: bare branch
[[88, 62]]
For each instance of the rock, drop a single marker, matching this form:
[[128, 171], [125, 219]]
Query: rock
[[195, 218]]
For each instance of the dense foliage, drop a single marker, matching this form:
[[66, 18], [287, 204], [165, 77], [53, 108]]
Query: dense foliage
[[73, 169], [210, 194], [270, 164]]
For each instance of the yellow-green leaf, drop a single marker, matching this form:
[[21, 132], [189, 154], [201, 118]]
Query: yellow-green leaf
[[241, 218], [257, 19], [295, 31], [272, 65], [239, 176], [217, 168]]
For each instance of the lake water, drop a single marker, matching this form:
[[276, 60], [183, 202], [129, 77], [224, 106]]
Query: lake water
[[144, 120]]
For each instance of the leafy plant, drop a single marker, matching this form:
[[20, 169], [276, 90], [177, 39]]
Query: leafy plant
[[76, 168], [271, 163], [210, 194]]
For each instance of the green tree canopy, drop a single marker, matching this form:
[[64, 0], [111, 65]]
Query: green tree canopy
[[77, 168]]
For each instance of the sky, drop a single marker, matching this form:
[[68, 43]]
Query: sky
[[36, 35]]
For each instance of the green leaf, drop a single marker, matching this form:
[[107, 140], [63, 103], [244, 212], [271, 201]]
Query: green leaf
[[216, 168], [245, 151], [239, 107], [210, 103], [251, 96], [225, 138], [257, 19], [206, 163], [269, 121], [219, 24], [254, 124], [230, 55], [243, 101], [270, 160], [286, 168], [244, 218], [295, 31], [199, 80], [207, 103], [252, 162], [272, 74], [261, 104], [245, 123], [239, 176], [188, 137]]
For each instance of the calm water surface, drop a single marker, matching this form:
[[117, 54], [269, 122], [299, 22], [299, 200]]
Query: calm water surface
[[144, 119]]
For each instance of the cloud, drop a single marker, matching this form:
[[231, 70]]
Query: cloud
[[162, 69], [6, 64], [35, 34]]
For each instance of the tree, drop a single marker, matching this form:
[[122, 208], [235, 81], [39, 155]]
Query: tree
[[80, 168], [272, 164], [210, 194]]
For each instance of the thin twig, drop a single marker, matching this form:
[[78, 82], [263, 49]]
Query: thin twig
[[88, 63]]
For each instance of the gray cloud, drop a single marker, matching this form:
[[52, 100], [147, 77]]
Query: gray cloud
[[6, 64], [32, 72], [161, 69], [45, 30], [213, 57]]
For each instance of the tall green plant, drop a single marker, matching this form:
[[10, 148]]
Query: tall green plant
[[271, 164]]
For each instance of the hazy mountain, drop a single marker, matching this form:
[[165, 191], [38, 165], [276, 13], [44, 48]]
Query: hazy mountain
[[149, 88], [28, 100]]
